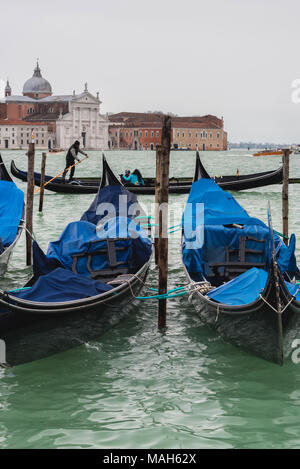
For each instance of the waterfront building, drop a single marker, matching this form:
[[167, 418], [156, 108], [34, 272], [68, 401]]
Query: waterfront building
[[142, 131], [66, 117]]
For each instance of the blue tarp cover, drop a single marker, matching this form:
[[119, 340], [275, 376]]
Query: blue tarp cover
[[78, 236], [111, 201], [246, 288], [206, 236], [11, 209], [243, 289], [62, 285]]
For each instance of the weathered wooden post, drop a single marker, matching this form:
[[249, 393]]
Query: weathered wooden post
[[157, 186], [285, 194], [43, 168], [163, 199], [29, 203]]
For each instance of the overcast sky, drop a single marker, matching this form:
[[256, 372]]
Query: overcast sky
[[231, 58]]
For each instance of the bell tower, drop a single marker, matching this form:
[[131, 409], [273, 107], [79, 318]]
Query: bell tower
[[7, 89]]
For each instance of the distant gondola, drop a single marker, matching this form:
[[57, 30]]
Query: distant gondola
[[11, 216], [243, 279], [181, 185], [98, 263]]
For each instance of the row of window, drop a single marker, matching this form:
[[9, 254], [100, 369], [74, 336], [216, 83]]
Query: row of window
[[22, 142], [32, 130], [136, 133], [203, 134], [31, 110]]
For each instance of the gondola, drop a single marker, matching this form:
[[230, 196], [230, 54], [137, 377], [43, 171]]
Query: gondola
[[12, 211], [99, 263], [242, 277], [180, 185]]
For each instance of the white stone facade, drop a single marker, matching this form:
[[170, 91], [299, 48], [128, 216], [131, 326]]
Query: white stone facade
[[83, 122]]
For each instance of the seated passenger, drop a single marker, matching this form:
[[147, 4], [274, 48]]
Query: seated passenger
[[132, 179]]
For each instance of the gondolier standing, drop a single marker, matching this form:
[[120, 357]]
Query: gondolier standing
[[70, 160]]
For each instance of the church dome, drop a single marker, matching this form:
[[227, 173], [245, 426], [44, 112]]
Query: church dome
[[37, 84]]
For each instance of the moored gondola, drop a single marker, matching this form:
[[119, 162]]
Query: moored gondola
[[243, 279], [181, 185], [98, 264], [12, 211]]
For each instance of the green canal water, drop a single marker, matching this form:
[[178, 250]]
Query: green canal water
[[135, 387]]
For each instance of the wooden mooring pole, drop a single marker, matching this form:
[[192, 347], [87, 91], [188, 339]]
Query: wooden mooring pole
[[157, 187], [163, 198], [285, 194], [43, 169], [29, 203]]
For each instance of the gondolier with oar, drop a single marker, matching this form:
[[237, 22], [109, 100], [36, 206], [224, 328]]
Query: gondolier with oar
[[70, 160]]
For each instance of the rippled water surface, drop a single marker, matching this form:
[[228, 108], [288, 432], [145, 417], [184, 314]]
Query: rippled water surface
[[136, 387]]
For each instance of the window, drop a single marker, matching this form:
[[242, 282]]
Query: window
[[13, 142], [183, 134], [146, 133], [152, 135], [141, 134], [136, 133], [196, 134], [210, 135], [42, 142], [21, 142], [157, 133], [126, 134], [21, 135], [27, 142], [190, 134], [218, 135], [130, 134], [13, 134], [178, 134]]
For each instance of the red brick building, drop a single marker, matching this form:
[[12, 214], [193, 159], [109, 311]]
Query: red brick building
[[142, 131]]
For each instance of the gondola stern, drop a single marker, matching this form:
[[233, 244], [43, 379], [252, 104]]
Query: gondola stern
[[108, 177], [200, 171], [4, 175]]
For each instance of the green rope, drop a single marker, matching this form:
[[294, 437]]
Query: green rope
[[161, 297], [141, 217], [280, 234]]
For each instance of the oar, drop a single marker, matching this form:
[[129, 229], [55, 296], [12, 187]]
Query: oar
[[65, 170]]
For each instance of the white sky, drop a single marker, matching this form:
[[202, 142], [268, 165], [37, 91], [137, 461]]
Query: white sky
[[231, 58]]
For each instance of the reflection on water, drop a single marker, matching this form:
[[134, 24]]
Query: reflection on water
[[133, 386]]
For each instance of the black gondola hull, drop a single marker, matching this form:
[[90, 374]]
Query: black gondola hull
[[32, 334], [176, 185], [256, 328]]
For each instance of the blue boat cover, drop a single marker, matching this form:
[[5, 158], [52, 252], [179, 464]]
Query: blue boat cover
[[242, 290], [208, 229], [11, 210], [111, 201], [84, 237], [62, 285], [246, 288]]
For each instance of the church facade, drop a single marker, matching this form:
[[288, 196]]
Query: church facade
[[63, 118]]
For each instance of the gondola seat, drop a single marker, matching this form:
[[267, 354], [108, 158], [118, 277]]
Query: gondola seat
[[236, 261], [114, 270]]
